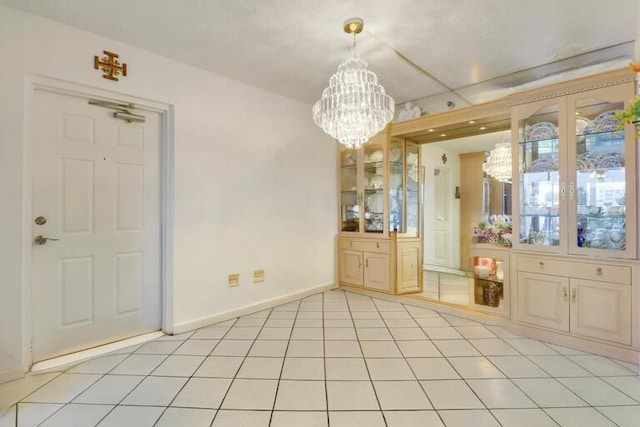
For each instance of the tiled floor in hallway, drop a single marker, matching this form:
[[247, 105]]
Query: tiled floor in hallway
[[339, 359]]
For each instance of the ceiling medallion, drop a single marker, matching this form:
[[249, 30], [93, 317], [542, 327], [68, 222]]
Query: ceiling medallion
[[354, 107]]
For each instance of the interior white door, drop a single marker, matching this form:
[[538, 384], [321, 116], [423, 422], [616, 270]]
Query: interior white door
[[441, 224], [96, 183]]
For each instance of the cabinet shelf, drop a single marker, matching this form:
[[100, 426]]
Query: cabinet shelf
[[539, 215]]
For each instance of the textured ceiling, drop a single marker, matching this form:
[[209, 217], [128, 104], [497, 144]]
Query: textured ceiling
[[468, 51]]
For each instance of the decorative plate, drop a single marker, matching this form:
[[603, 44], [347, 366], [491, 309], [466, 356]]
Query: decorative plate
[[605, 122], [395, 153], [582, 125], [349, 158], [376, 156], [376, 182], [541, 130], [412, 172], [544, 164], [374, 203]]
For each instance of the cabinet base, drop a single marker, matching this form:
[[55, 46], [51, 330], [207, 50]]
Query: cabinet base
[[618, 352], [626, 354]]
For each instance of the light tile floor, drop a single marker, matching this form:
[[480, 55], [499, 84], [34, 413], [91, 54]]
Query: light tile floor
[[339, 359]]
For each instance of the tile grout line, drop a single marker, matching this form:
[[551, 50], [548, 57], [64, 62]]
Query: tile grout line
[[235, 376], [324, 361], [375, 392], [462, 378], [284, 360], [194, 371]]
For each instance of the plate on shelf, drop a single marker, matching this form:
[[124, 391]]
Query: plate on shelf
[[395, 153], [412, 159], [375, 157], [583, 125], [605, 122], [412, 173], [374, 203], [375, 183], [349, 158], [541, 130], [544, 164]]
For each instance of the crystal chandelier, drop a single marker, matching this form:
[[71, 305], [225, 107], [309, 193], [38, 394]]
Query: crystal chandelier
[[354, 107], [498, 164]]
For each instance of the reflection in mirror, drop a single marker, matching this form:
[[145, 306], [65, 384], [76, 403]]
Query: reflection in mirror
[[449, 221]]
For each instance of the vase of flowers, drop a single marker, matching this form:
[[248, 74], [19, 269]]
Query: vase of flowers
[[496, 230]]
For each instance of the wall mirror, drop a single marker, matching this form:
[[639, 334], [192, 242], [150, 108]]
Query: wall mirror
[[457, 194]]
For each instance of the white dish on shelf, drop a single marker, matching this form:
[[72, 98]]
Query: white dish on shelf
[[375, 182], [374, 203], [375, 157], [541, 130], [605, 122], [412, 173], [583, 125]]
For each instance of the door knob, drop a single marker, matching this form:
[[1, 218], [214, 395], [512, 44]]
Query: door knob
[[41, 240]]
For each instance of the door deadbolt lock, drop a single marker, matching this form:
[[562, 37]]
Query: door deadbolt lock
[[41, 240], [41, 220]]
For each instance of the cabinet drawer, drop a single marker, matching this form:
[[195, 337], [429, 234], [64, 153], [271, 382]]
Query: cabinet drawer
[[368, 246], [580, 270]]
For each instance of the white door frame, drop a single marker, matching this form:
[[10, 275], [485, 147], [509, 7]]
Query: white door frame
[[33, 83]]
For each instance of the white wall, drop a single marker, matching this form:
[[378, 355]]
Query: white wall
[[255, 179], [431, 159]]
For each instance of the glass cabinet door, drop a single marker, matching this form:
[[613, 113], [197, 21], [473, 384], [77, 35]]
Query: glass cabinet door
[[396, 186], [413, 188], [349, 204], [374, 187], [600, 172], [539, 181]]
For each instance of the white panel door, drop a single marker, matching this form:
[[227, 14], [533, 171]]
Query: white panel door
[[441, 223], [96, 182]]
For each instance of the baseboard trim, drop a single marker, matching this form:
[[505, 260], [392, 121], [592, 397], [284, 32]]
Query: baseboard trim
[[13, 374], [243, 311], [79, 356]]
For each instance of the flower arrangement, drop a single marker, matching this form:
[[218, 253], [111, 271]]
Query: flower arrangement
[[496, 229], [631, 114]]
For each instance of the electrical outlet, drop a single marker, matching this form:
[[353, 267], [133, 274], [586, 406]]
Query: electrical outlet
[[258, 276], [234, 279]]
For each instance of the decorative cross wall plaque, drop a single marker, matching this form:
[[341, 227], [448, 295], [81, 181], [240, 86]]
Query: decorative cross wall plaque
[[110, 65]]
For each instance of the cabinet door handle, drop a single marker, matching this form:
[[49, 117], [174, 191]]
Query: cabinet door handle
[[565, 294], [599, 271], [572, 191], [574, 296], [541, 264], [562, 191], [366, 263]]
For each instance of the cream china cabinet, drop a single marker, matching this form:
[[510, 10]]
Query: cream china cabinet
[[576, 183], [379, 242]]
